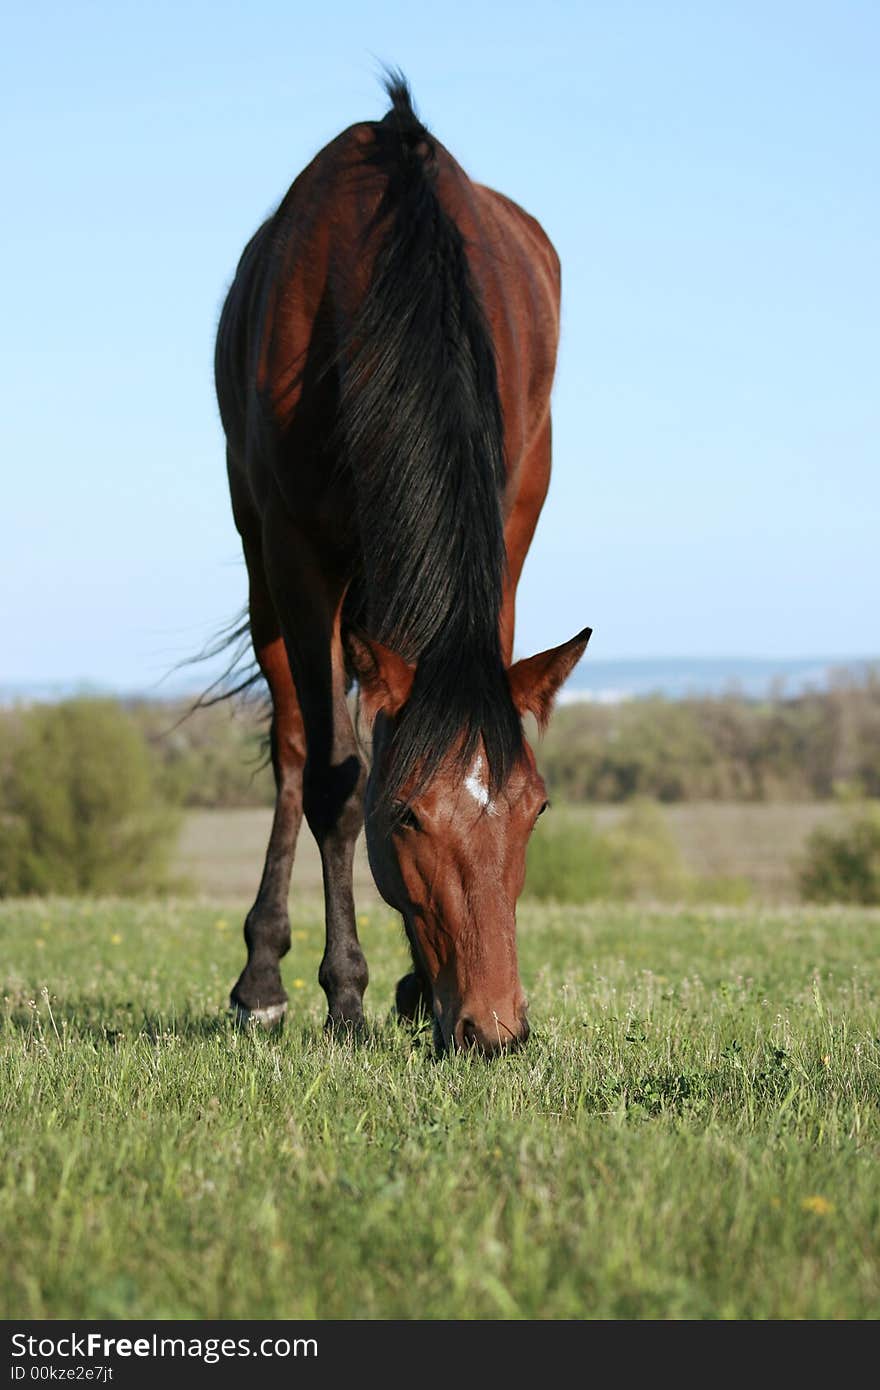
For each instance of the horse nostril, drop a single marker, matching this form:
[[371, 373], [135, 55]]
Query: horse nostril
[[466, 1033]]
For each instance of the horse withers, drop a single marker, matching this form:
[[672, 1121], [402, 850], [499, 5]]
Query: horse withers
[[384, 363]]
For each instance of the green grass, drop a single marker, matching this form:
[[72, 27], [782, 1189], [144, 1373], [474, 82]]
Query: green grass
[[692, 1132]]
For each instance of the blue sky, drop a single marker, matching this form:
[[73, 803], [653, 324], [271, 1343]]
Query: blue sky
[[708, 173]]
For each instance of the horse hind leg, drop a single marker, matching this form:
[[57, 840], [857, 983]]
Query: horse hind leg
[[258, 995]]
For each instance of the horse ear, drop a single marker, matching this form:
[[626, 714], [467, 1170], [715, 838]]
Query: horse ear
[[535, 680], [384, 677]]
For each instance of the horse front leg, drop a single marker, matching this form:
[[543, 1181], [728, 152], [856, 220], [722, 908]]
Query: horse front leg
[[308, 597], [258, 995]]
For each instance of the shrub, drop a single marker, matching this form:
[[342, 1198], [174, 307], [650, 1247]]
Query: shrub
[[567, 860], [80, 808], [843, 865], [570, 861], [644, 859]]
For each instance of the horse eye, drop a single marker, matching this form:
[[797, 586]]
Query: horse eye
[[405, 818], [543, 809]]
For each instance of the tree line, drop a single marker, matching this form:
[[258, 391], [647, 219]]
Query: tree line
[[702, 749], [805, 748], [721, 749]]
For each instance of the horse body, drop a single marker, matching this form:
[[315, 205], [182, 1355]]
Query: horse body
[[298, 287], [384, 364]]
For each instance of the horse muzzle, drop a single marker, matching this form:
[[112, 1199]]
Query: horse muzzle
[[486, 1031]]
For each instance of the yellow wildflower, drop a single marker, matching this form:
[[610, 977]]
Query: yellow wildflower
[[819, 1206]]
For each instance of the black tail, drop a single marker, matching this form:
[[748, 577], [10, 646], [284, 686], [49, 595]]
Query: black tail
[[420, 428]]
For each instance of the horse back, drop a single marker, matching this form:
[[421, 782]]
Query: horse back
[[299, 286]]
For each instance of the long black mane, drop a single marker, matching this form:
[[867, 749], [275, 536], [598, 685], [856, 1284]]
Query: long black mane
[[420, 430]]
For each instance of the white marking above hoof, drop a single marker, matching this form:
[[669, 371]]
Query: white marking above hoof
[[263, 1018]]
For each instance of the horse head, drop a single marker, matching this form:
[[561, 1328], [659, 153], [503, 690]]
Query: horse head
[[449, 852]]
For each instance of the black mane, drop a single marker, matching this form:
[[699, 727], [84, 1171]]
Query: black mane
[[420, 430]]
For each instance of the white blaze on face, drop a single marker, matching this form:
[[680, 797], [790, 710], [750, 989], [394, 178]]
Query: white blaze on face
[[477, 787]]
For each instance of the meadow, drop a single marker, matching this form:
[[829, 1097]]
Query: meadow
[[692, 1131]]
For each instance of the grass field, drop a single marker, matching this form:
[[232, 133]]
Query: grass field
[[221, 852], [692, 1132]]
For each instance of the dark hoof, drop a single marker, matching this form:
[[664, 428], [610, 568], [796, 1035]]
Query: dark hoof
[[270, 1017], [346, 1026], [412, 999]]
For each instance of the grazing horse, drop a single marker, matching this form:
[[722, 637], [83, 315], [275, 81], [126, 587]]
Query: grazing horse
[[384, 363]]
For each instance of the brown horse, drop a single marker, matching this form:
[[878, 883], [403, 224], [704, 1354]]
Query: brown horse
[[384, 363]]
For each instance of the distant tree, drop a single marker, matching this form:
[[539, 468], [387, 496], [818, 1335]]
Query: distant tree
[[725, 749], [211, 756], [80, 810]]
